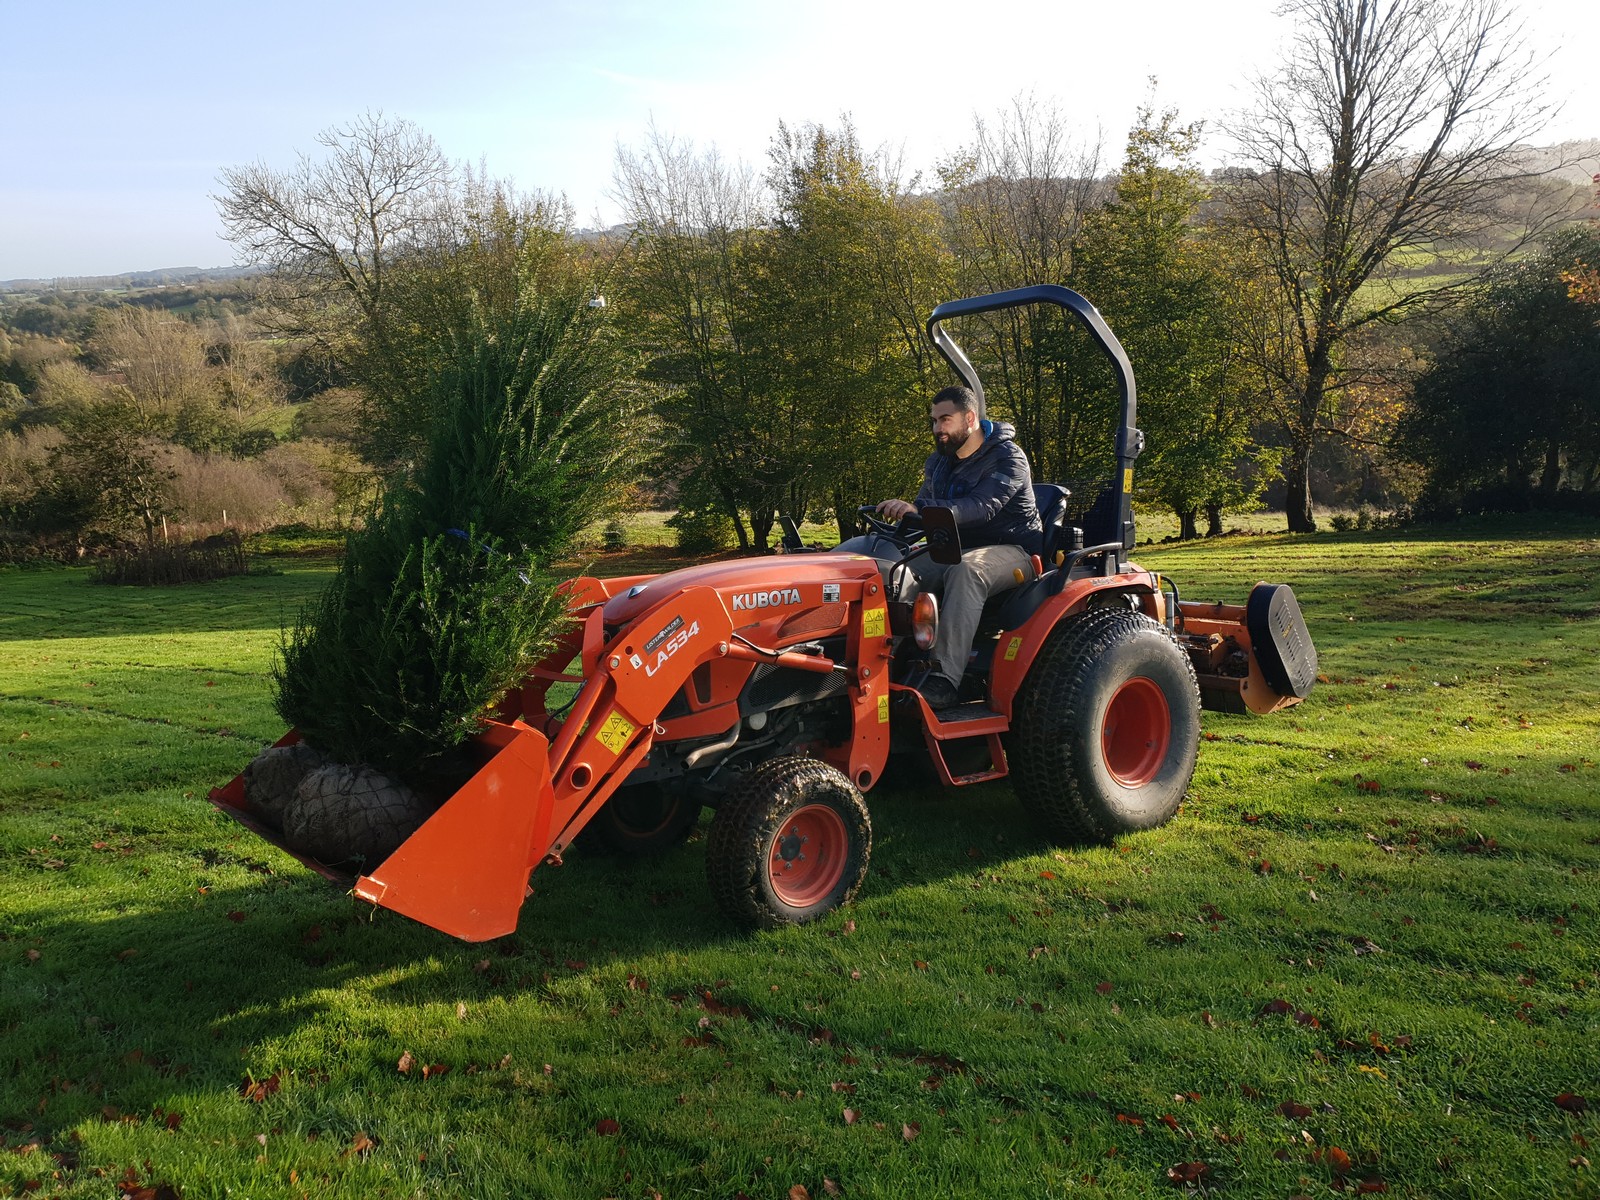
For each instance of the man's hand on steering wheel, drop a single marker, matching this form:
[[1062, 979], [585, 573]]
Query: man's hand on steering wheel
[[895, 528], [896, 510]]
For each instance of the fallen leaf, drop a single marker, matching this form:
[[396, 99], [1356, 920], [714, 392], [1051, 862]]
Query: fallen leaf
[[607, 1127], [1372, 1185], [461, 1011], [256, 1090], [34, 956], [1291, 1109], [847, 1088], [851, 1116], [1572, 1103], [1273, 1008], [849, 927], [361, 1145], [236, 916], [1103, 987], [406, 1063], [434, 1071], [920, 965], [1338, 1161], [1047, 874], [832, 1188], [1185, 1173], [798, 1192], [910, 1130]]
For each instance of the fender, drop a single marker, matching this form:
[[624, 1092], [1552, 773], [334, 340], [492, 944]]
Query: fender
[[1017, 648]]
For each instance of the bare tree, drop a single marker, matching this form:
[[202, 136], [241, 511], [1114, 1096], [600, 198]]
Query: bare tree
[[1389, 135], [338, 224]]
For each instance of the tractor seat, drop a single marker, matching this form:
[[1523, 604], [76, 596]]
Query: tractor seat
[[1010, 608]]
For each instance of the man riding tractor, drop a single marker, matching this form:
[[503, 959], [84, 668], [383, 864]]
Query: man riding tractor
[[981, 475]]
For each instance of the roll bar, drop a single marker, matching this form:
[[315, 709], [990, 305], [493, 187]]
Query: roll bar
[[1129, 442]]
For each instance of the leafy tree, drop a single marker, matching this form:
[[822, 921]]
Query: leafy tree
[[1163, 289], [858, 264], [1017, 200], [105, 476], [1390, 129], [698, 296], [1510, 402]]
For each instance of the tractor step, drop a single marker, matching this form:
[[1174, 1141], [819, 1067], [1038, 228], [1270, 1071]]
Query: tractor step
[[966, 714], [961, 722]]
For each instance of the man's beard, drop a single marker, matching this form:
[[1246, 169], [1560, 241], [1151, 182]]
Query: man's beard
[[950, 445]]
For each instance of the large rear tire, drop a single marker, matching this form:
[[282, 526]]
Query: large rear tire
[[1107, 728], [788, 844]]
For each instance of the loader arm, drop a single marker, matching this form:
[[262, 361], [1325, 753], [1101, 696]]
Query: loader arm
[[465, 871]]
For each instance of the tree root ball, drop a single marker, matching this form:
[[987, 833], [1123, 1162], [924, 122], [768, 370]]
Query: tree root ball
[[273, 776], [342, 814]]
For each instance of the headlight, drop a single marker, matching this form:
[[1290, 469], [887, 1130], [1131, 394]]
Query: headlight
[[925, 620]]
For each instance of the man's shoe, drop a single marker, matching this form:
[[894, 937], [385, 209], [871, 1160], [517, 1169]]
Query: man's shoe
[[939, 692]]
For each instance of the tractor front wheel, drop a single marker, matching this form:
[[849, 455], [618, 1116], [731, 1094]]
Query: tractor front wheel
[[788, 844], [1108, 728]]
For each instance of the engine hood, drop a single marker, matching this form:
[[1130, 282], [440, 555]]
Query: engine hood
[[753, 589]]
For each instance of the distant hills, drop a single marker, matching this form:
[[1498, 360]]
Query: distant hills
[[162, 277], [1575, 162]]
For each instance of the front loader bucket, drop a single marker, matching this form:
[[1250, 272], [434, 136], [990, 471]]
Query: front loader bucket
[[465, 872]]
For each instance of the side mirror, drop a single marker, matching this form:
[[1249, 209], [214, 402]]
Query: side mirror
[[944, 542]]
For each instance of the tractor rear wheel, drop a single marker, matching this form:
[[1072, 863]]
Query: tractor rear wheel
[[1107, 729], [643, 820], [789, 844]]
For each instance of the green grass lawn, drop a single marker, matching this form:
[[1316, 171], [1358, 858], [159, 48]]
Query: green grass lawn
[[1363, 956]]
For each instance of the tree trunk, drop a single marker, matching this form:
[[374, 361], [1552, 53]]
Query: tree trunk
[[761, 522], [1550, 479], [1188, 525], [1213, 520], [732, 506], [1297, 498]]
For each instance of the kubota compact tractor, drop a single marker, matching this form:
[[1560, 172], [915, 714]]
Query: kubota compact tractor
[[774, 690]]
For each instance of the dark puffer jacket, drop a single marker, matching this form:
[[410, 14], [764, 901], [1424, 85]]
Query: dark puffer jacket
[[990, 491]]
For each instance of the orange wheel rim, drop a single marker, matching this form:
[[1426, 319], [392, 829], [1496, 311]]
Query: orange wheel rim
[[808, 856], [1137, 733]]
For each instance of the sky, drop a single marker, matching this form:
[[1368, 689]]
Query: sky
[[117, 118]]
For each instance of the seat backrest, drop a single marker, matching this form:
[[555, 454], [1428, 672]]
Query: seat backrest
[[1051, 499]]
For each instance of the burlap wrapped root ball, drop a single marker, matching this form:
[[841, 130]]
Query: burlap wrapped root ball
[[342, 814], [274, 775]]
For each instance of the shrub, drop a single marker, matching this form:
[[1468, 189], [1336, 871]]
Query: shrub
[[701, 530], [1342, 522], [614, 537], [162, 563]]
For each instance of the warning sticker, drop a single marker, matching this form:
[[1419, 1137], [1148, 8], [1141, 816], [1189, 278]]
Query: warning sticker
[[883, 710], [614, 734], [1011, 649], [1127, 479], [872, 622]]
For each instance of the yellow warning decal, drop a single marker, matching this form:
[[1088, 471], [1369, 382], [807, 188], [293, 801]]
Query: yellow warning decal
[[1127, 479], [1011, 649], [883, 710], [614, 734], [872, 622]]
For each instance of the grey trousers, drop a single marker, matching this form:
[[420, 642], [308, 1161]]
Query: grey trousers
[[963, 587]]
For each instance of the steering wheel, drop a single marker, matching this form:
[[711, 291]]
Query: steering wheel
[[903, 530]]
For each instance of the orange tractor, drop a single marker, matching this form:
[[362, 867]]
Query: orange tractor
[[775, 690]]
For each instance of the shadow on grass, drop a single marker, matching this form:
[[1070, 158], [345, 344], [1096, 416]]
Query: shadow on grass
[[217, 980]]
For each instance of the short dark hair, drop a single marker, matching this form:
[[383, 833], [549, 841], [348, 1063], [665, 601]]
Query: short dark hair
[[962, 397]]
